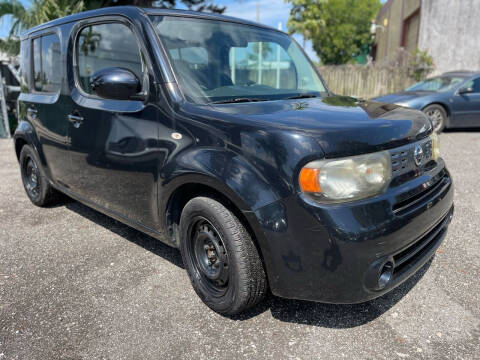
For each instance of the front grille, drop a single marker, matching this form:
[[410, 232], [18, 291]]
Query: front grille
[[406, 168], [409, 256], [399, 161], [403, 160]]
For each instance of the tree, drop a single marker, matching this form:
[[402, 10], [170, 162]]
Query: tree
[[38, 12], [339, 29], [10, 46]]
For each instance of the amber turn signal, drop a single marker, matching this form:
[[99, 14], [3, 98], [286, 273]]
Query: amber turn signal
[[308, 180]]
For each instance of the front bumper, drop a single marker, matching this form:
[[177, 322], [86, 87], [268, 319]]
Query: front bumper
[[334, 253]]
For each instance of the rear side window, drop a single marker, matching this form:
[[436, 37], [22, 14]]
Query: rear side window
[[107, 45], [46, 64]]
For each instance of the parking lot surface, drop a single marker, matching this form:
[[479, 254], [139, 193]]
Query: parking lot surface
[[76, 284]]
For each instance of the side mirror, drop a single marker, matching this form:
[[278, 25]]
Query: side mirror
[[465, 90], [115, 83]]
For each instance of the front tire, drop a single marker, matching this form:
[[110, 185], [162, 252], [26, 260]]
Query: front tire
[[220, 257], [437, 115], [36, 184]]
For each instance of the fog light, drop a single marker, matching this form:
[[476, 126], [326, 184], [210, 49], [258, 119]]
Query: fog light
[[385, 275]]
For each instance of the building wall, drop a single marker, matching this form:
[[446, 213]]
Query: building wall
[[389, 34], [411, 32], [409, 7], [450, 31]]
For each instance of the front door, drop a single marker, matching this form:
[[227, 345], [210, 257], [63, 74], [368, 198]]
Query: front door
[[114, 162], [466, 107]]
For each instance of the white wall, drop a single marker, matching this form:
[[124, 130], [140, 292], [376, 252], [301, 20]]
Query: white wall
[[450, 31]]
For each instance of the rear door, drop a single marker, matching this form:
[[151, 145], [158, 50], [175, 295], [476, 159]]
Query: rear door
[[42, 100], [466, 107], [113, 157]]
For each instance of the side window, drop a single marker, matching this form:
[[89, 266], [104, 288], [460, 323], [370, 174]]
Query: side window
[[107, 45], [46, 64], [474, 84]]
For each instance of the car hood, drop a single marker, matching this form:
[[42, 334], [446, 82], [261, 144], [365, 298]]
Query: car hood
[[402, 96], [341, 125]]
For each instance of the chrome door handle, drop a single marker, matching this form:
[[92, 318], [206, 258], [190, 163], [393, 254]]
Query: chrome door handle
[[76, 120]]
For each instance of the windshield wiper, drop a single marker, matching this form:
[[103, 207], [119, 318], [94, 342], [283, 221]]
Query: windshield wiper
[[237, 100], [302, 96]]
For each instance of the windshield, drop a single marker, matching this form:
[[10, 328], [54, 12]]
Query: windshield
[[442, 83], [218, 61]]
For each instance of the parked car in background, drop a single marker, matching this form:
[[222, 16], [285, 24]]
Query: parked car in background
[[451, 100], [170, 122]]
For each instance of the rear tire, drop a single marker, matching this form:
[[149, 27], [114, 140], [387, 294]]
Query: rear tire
[[36, 184], [437, 115], [220, 257]]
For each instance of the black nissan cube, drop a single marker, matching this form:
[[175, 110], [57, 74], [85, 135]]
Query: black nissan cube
[[218, 136]]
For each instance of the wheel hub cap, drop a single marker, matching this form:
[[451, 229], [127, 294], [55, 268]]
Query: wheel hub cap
[[210, 254], [436, 118]]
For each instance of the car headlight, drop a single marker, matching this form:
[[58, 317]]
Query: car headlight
[[347, 179], [404, 104], [435, 146]]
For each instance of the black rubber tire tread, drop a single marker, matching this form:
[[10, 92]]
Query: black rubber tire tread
[[444, 114], [47, 195], [249, 278]]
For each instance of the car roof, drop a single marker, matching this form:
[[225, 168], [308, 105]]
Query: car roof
[[129, 10], [212, 16], [461, 73]]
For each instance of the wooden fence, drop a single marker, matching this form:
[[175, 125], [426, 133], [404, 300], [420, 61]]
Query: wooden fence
[[365, 81]]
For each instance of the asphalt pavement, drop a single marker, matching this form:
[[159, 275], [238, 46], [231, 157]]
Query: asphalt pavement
[[76, 284]]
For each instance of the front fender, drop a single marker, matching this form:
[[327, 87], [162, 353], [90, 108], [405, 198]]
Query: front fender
[[254, 167], [223, 170]]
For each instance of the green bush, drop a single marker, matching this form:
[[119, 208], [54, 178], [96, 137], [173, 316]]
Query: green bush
[[421, 64]]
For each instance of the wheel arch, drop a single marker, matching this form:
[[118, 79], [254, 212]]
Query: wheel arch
[[445, 106], [20, 142], [188, 187], [25, 135], [221, 172]]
